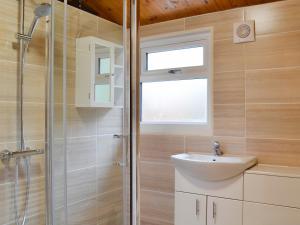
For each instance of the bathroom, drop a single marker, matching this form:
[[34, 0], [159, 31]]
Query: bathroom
[[150, 112]]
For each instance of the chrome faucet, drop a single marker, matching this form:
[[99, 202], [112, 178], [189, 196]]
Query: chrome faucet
[[217, 148]]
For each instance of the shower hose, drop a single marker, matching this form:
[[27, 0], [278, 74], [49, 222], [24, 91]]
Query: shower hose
[[21, 219]]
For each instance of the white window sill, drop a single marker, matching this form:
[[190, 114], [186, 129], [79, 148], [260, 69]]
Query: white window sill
[[202, 129]]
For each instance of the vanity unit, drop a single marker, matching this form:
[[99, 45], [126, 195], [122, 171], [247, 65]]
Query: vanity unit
[[262, 195]]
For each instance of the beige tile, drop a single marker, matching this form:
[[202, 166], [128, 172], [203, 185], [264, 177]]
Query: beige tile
[[82, 121], [70, 87], [273, 86], [160, 147], [8, 84], [36, 201], [81, 152], [276, 151], [116, 218], [228, 56], [9, 27], [232, 145], [110, 207], [153, 221], [34, 121], [72, 20], [229, 145], [33, 220], [157, 205], [273, 121], [34, 82], [229, 120], [198, 144], [222, 22], [157, 176], [8, 120], [110, 31], [273, 51], [109, 150], [81, 184], [109, 178], [162, 28], [9, 12], [229, 88], [87, 24], [275, 17], [59, 185], [8, 43], [58, 121], [83, 213], [110, 121], [59, 53]]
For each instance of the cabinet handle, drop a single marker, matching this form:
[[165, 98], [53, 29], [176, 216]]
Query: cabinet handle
[[214, 211], [197, 207]]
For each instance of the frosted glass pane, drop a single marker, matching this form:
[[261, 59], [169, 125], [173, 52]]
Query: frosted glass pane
[[175, 101], [102, 93], [175, 58], [104, 65]]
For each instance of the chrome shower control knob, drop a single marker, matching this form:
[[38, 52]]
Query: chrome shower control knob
[[5, 156]]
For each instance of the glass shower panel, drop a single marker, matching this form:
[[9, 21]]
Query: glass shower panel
[[97, 168], [22, 180]]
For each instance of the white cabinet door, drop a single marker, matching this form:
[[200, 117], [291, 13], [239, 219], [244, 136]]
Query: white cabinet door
[[190, 209], [222, 211], [262, 214]]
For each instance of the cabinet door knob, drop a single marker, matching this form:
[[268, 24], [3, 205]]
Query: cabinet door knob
[[197, 207], [214, 211]]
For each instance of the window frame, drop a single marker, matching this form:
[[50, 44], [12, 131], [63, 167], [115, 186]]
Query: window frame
[[179, 40]]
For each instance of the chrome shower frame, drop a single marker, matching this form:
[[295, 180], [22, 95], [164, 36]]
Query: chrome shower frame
[[130, 113]]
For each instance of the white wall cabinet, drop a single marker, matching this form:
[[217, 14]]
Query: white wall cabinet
[[99, 73], [190, 209]]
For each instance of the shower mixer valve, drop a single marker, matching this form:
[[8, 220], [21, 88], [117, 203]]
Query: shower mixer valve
[[6, 155]]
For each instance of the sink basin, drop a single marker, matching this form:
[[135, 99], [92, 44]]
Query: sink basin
[[210, 167]]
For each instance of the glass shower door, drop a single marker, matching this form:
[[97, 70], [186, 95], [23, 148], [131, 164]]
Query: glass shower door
[[96, 145]]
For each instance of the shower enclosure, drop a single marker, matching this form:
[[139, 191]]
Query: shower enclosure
[[61, 164]]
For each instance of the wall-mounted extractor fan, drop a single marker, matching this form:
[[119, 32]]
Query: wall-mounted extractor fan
[[244, 31]]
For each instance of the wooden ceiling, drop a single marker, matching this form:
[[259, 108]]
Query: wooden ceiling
[[154, 11]]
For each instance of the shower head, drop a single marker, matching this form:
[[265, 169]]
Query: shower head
[[41, 10]]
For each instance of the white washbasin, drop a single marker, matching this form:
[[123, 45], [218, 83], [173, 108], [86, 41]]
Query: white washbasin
[[210, 167]]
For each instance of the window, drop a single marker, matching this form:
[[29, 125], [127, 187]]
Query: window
[[175, 58], [185, 101], [175, 83]]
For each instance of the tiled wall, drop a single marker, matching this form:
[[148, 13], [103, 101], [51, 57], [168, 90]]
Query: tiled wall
[[94, 182], [256, 99], [34, 77]]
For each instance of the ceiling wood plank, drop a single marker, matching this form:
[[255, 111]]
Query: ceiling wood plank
[[154, 11]]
